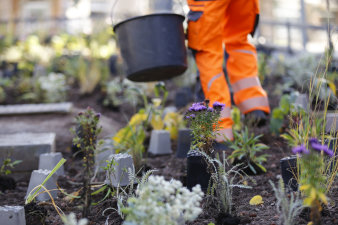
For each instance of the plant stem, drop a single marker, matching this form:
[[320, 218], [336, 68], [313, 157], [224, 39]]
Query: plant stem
[[315, 213]]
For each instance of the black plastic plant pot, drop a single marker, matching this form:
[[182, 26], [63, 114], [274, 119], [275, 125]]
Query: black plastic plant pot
[[289, 172], [183, 143], [197, 171], [333, 145], [152, 46]]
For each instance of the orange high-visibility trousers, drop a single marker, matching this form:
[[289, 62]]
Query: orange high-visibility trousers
[[212, 25]]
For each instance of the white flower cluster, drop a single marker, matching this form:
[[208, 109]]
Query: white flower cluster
[[161, 202], [71, 220], [55, 86]]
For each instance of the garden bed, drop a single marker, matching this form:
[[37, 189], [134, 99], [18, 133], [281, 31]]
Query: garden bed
[[171, 167]]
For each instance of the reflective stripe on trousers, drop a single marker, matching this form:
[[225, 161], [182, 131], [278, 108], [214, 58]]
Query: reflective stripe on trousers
[[246, 83], [213, 79], [254, 103]]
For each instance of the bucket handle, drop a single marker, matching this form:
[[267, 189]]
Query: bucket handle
[[115, 2], [112, 10]]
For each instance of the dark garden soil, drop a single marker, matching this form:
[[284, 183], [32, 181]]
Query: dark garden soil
[[171, 167], [168, 166]]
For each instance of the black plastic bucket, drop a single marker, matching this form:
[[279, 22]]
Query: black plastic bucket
[[152, 46]]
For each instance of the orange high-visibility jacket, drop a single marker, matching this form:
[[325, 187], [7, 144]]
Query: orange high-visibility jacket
[[213, 25]]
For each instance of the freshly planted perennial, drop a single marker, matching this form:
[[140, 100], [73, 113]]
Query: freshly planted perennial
[[86, 139], [312, 175], [203, 121], [163, 203], [246, 148]]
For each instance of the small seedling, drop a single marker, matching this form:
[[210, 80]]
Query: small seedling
[[8, 165], [245, 148]]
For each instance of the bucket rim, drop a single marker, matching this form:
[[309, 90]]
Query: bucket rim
[[153, 14]]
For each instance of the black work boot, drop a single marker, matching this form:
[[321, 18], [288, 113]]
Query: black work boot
[[256, 118]]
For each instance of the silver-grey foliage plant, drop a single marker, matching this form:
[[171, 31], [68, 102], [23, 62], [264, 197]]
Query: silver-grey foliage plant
[[71, 220], [223, 181], [161, 202], [287, 208]]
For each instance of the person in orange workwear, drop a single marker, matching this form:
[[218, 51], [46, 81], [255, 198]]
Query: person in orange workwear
[[217, 24]]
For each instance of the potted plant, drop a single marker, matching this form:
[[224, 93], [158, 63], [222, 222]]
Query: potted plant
[[203, 122]]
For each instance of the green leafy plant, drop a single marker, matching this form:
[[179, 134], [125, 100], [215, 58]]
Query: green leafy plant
[[157, 107], [2, 95], [245, 148], [113, 91], [86, 139], [278, 114], [130, 139], [173, 122], [8, 165], [236, 117], [263, 69], [54, 87]]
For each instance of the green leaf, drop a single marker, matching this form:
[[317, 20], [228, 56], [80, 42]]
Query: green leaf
[[261, 167], [252, 169], [31, 196], [105, 197], [99, 190]]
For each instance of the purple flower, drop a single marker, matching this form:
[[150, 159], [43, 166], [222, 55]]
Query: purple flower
[[313, 141], [300, 150], [98, 115], [187, 117], [324, 148], [210, 109], [197, 107], [218, 106], [192, 116]]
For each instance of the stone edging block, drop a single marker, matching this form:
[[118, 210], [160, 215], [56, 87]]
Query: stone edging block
[[12, 215], [37, 177], [26, 147]]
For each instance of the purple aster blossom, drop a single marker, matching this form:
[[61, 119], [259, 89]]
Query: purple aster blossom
[[324, 148], [98, 115], [187, 117], [201, 108], [210, 109], [197, 107], [313, 141], [218, 106], [192, 116], [300, 150]]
